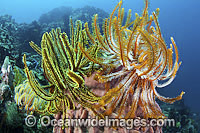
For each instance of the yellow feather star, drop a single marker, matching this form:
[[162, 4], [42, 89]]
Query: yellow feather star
[[135, 57], [64, 67]]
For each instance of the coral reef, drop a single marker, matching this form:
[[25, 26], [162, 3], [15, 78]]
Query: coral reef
[[59, 17], [11, 118], [112, 71], [32, 32], [186, 120], [56, 15], [6, 70], [7, 78], [133, 57], [14, 37], [8, 30]]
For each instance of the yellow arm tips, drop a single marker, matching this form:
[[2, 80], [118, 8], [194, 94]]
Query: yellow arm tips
[[136, 15], [35, 47], [172, 100], [96, 15], [182, 93], [176, 49], [24, 61], [120, 2], [157, 11]]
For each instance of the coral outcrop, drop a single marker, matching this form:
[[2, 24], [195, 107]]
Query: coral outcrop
[[108, 67]]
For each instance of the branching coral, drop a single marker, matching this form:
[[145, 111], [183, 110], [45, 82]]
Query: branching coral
[[64, 67], [135, 55]]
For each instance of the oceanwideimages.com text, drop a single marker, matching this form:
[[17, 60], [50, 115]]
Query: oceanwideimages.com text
[[96, 122]]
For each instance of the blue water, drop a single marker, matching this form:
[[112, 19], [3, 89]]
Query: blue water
[[178, 18]]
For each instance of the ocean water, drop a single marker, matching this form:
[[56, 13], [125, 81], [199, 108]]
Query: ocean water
[[178, 18]]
